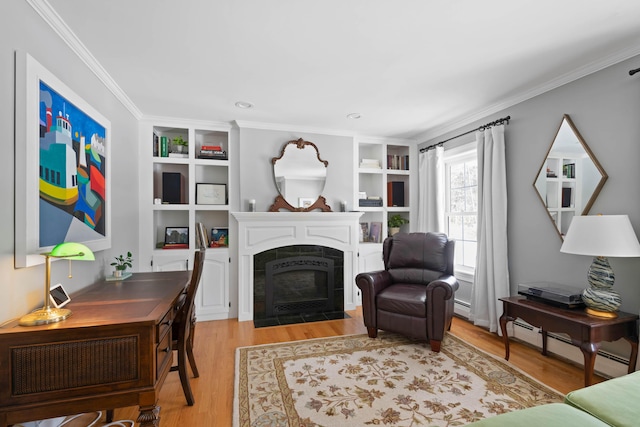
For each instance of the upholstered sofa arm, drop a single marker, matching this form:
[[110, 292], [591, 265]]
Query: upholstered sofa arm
[[371, 284]]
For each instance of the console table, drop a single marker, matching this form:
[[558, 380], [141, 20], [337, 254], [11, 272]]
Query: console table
[[114, 351], [586, 332]]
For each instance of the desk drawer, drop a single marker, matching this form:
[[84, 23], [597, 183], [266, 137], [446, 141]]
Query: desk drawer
[[163, 354], [165, 325]]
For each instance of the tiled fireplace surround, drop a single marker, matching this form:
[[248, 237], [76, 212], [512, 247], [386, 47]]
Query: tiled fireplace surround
[[261, 231]]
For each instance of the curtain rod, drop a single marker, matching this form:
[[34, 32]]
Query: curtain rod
[[632, 72], [502, 121]]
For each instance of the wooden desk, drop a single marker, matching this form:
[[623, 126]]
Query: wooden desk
[[114, 351], [586, 332]]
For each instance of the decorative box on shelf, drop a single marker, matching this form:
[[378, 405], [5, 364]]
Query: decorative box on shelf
[[369, 203]]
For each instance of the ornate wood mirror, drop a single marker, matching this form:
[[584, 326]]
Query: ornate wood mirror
[[570, 177], [300, 175]]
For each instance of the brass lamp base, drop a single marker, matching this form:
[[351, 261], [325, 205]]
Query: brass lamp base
[[603, 314], [44, 316]]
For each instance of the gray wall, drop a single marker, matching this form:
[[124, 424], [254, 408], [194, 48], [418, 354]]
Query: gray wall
[[605, 107], [258, 146], [22, 289]]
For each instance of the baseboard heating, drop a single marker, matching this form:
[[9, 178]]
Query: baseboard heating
[[608, 365], [601, 353]]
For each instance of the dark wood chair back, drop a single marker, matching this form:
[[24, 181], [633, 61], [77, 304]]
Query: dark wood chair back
[[184, 328]]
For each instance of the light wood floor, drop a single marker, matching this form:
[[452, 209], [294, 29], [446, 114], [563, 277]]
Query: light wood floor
[[216, 342]]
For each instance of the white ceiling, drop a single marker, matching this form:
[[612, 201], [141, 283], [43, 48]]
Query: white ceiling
[[411, 68]]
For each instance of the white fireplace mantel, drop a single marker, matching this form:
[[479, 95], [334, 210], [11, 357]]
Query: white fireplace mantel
[[261, 231]]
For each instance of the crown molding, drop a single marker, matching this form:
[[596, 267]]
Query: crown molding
[[51, 17], [321, 131], [555, 83], [181, 123]]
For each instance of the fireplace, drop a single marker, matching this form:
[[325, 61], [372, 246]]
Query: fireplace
[[298, 283], [260, 232]]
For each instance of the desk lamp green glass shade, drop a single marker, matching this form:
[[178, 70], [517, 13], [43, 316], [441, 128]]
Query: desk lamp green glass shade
[[48, 314]]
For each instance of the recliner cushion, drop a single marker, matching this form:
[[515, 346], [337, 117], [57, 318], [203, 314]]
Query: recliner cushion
[[403, 298]]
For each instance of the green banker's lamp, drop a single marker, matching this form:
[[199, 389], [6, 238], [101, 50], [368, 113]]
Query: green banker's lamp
[[48, 314]]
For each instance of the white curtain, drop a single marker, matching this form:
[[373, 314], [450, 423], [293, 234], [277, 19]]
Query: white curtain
[[492, 273], [431, 190]]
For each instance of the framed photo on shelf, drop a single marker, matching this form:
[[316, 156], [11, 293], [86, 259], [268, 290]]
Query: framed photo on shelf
[[375, 233], [211, 194], [176, 237], [219, 237], [364, 231]]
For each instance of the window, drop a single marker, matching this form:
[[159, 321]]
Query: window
[[461, 208]]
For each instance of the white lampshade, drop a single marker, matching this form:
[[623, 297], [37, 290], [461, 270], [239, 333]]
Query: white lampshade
[[601, 235]]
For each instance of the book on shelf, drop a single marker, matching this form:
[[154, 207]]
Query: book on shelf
[[175, 246], [179, 155], [211, 147], [398, 162], [164, 146], [156, 145], [202, 239], [213, 154], [370, 163], [369, 203]]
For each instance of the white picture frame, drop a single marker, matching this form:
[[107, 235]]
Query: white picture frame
[[40, 225]]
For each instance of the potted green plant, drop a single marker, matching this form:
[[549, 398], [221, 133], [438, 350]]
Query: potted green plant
[[121, 264], [179, 144], [395, 222]]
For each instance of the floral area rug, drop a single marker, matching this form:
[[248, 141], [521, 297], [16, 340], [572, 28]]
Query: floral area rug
[[391, 381]]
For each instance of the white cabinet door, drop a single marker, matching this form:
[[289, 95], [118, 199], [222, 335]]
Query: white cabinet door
[[369, 259], [171, 262], [212, 299]]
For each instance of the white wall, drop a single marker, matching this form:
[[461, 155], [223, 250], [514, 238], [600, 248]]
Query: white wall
[[22, 289], [605, 107]]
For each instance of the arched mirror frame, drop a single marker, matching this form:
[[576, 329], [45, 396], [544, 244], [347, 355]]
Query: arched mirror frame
[[590, 155], [280, 202]]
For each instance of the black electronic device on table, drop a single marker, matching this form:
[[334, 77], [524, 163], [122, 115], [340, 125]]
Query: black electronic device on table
[[552, 293]]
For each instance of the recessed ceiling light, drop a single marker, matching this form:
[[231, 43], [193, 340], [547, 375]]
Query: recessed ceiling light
[[354, 116], [244, 104]]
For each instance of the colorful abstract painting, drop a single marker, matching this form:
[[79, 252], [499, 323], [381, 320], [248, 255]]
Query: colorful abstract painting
[[72, 172]]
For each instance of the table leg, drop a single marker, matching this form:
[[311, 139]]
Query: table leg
[[544, 342], [149, 416], [634, 353], [589, 350], [505, 338]]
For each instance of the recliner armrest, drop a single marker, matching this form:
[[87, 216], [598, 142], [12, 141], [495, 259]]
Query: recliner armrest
[[371, 284], [445, 285]]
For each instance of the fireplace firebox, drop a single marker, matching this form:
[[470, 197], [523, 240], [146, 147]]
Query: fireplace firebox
[[298, 283]]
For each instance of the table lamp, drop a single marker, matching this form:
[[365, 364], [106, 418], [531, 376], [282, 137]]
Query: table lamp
[[601, 236], [48, 314]]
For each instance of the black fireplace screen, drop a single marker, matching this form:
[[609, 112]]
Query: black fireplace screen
[[298, 279]]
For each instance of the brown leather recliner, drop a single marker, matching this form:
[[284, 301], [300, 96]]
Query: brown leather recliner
[[414, 294]]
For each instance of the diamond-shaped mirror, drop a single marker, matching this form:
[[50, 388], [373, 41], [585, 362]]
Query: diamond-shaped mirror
[[570, 177]]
